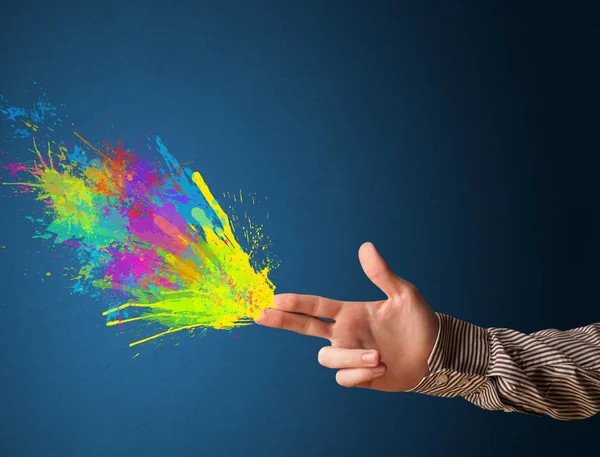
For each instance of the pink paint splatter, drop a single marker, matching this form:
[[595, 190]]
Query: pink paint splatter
[[14, 168]]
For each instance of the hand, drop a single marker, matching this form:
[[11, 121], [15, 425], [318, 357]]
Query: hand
[[382, 345]]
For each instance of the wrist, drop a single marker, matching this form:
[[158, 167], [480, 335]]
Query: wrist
[[458, 361], [435, 344]]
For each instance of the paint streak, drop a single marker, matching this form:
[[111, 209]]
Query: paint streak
[[147, 236]]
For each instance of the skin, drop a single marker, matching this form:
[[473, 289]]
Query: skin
[[382, 345]]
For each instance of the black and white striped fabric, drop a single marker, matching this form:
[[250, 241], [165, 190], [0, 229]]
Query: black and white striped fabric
[[550, 372]]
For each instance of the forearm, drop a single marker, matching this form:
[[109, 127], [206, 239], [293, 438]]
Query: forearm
[[551, 372]]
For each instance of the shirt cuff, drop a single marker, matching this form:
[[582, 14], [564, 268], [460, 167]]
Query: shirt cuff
[[459, 360]]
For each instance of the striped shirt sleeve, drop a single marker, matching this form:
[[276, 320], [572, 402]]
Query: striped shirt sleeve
[[547, 373]]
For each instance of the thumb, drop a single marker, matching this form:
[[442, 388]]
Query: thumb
[[378, 271]]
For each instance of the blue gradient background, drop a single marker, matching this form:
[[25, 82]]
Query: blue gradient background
[[460, 138]]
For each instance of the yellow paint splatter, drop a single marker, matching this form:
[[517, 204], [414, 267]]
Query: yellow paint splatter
[[31, 125], [229, 293]]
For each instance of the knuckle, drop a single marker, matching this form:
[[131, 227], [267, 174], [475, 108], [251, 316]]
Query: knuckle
[[408, 292], [292, 300], [365, 385], [306, 326], [316, 306], [380, 274], [278, 319], [412, 290]]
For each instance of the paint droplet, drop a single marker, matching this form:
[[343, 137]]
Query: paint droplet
[[48, 273]]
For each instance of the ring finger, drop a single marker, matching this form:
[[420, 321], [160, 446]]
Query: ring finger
[[336, 357]]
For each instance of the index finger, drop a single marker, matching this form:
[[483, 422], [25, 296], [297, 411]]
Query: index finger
[[311, 305]]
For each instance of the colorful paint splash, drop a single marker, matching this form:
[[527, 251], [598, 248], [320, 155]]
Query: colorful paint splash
[[149, 239]]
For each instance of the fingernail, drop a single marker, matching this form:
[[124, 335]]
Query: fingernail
[[276, 300], [379, 369], [368, 357]]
